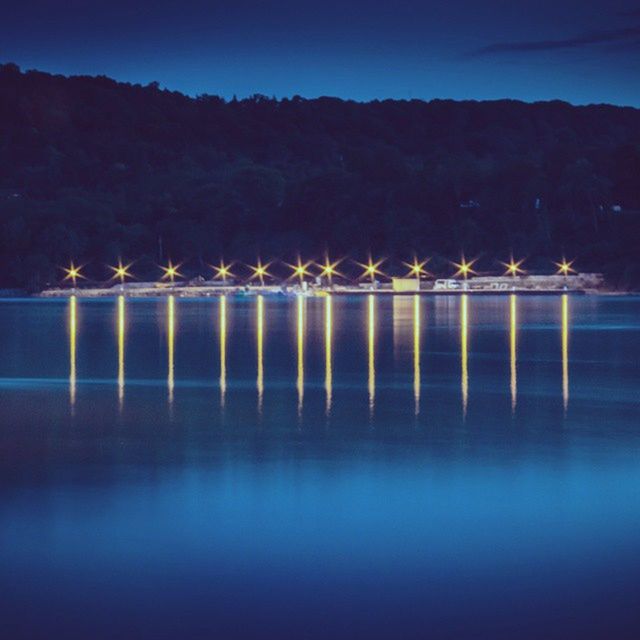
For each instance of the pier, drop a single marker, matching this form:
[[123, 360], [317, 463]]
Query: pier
[[581, 283]]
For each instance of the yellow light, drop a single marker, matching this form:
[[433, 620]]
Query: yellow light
[[300, 270], [260, 271], [464, 268], [223, 271], [564, 267], [513, 268], [171, 271], [121, 271], [371, 269], [73, 273], [328, 269], [416, 268]]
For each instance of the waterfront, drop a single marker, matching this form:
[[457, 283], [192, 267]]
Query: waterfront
[[455, 467]]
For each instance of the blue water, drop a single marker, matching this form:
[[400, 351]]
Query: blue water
[[320, 468]]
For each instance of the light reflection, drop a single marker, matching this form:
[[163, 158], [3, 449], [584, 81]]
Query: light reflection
[[300, 342], [259, 345], [73, 329], [372, 362], [565, 351], [403, 312], [121, 333], [171, 328], [513, 331], [223, 349], [328, 357], [464, 370], [416, 353]]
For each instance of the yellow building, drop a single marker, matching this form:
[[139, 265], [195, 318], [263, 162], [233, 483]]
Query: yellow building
[[402, 285]]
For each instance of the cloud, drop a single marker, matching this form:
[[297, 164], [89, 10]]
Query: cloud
[[611, 37], [633, 13]]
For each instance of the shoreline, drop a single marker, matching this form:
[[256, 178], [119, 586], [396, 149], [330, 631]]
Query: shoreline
[[526, 285], [210, 292]]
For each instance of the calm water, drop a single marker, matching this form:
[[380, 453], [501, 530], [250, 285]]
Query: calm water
[[345, 468]]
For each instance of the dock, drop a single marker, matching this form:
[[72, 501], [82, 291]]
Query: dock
[[581, 283]]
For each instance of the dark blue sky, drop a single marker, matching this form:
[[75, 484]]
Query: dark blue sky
[[582, 51]]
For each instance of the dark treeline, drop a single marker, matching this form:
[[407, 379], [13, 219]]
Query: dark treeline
[[92, 169]]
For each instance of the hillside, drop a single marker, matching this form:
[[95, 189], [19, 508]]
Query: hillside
[[93, 169]]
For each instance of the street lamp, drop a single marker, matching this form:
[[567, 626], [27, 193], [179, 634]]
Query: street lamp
[[565, 268], [260, 271], [328, 269], [73, 273], [513, 268], [464, 269], [121, 272], [223, 271], [416, 269], [171, 272], [300, 270], [371, 269]]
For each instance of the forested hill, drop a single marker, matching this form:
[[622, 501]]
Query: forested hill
[[93, 169]]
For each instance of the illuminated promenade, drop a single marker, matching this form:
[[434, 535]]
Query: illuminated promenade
[[481, 285], [325, 278]]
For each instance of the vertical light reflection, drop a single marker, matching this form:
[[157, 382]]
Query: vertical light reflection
[[513, 345], [403, 312], [464, 334], [300, 341], [73, 329], [223, 349], [171, 329], [328, 358], [121, 329], [260, 339], [565, 351], [416, 353], [372, 361]]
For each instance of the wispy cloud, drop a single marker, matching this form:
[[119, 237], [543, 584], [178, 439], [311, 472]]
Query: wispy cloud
[[611, 37], [633, 13]]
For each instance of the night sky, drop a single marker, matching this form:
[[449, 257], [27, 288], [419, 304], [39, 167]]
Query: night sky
[[582, 51]]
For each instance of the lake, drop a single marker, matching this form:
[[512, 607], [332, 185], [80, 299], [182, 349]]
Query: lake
[[254, 467]]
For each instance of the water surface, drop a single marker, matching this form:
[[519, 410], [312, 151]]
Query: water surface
[[327, 467]]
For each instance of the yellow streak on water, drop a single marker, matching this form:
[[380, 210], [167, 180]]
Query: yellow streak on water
[[121, 336], [416, 353], [171, 329], [260, 347], [372, 361], [300, 343], [223, 350], [565, 351], [513, 332], [328, 356], [73, 330], [464, 366]]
